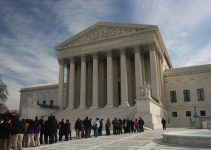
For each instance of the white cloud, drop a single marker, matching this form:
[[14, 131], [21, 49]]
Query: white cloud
[[28, 56], [77, 15], [177, 21], [201, 56]]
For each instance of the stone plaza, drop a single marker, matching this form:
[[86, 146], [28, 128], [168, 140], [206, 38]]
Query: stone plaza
[[148, 140]]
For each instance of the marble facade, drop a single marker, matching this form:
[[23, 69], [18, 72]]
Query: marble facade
[[104, 68]]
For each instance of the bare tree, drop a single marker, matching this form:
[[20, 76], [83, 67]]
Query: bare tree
[[3, 91]]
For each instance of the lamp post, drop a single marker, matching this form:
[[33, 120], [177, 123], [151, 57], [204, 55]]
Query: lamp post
[[195, 113]]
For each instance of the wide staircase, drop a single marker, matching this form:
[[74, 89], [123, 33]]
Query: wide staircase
[[104, 113]]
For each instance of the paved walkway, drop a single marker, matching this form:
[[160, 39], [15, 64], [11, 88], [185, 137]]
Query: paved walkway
[[149, 140]]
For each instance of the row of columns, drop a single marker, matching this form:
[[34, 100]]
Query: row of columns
[[123, 76]]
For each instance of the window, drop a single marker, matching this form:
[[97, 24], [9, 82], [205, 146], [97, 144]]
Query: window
[[44, 102], [186, 94], [51, 102], [200, 93], [174, 114], [173, 96], [188, 113], [202, 113]]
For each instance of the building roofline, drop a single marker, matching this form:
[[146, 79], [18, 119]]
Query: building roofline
[[188, 70]]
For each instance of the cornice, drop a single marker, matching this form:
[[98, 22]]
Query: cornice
[[188, 70], [41, 87]]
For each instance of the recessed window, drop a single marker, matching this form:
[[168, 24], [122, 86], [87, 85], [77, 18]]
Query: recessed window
[[200, 93], [51, 102], [174, 114], [202, 113], [173, 96], [186, 94], [44, 102], [188, 113]]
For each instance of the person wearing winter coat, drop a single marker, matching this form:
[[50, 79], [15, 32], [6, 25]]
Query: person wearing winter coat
[[17, 133]]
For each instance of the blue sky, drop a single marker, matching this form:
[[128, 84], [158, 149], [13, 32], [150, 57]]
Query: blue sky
[[30, 29]]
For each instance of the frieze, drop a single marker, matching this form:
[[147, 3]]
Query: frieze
[[102, 31]]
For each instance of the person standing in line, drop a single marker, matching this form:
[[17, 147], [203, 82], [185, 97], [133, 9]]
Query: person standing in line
[[30, 134], [120, 126], [86, 127], [42, 132], [77, 128], [108, 127], [114, 123], [136, 123], [163, 121], [4, 133], [90, 127], [37, 132], [96, 127], [54, 128], [141, 124], [17, 133], [101, 127], [61, 129], [128, 125], [124, 122], [67, 130]]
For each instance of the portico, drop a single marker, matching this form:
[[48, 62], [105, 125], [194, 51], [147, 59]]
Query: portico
[[107, 68]]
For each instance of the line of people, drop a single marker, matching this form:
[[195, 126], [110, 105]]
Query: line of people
[[18, 133]]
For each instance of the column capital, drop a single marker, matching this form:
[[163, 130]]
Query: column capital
[[109, 53], [152, 47], [83, 57], [122, 52], [61, 61], [72, 59], [95, 55], [136, 49]]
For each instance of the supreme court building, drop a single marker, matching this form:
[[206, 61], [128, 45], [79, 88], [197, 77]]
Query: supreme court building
[[121, 70]]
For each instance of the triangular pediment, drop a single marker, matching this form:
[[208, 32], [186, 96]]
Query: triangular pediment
[[102, 31]]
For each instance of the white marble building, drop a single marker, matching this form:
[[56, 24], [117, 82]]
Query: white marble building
[[103, 72]]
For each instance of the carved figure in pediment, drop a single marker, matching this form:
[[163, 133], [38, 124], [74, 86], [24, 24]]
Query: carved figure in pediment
[[100, 32]]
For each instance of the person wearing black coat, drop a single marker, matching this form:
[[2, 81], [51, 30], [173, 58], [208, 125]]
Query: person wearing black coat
[[17, 133], [78, 128], [4, 133], [163, 121], [67, 130], [42, 124], [141, 124], [54, 128], [86, 127], [61, 129]]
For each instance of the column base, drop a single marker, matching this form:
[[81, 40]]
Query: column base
[[109, 106], [81, 108], [124, 105], [69, 108], [93, 107]]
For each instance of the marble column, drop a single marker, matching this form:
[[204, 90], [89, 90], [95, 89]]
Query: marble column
[[66, 103], [124, 81], [95, 82], [138, 72], [61, 84], [71, 84], [110, 96], [154, 73], [83, 83]]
